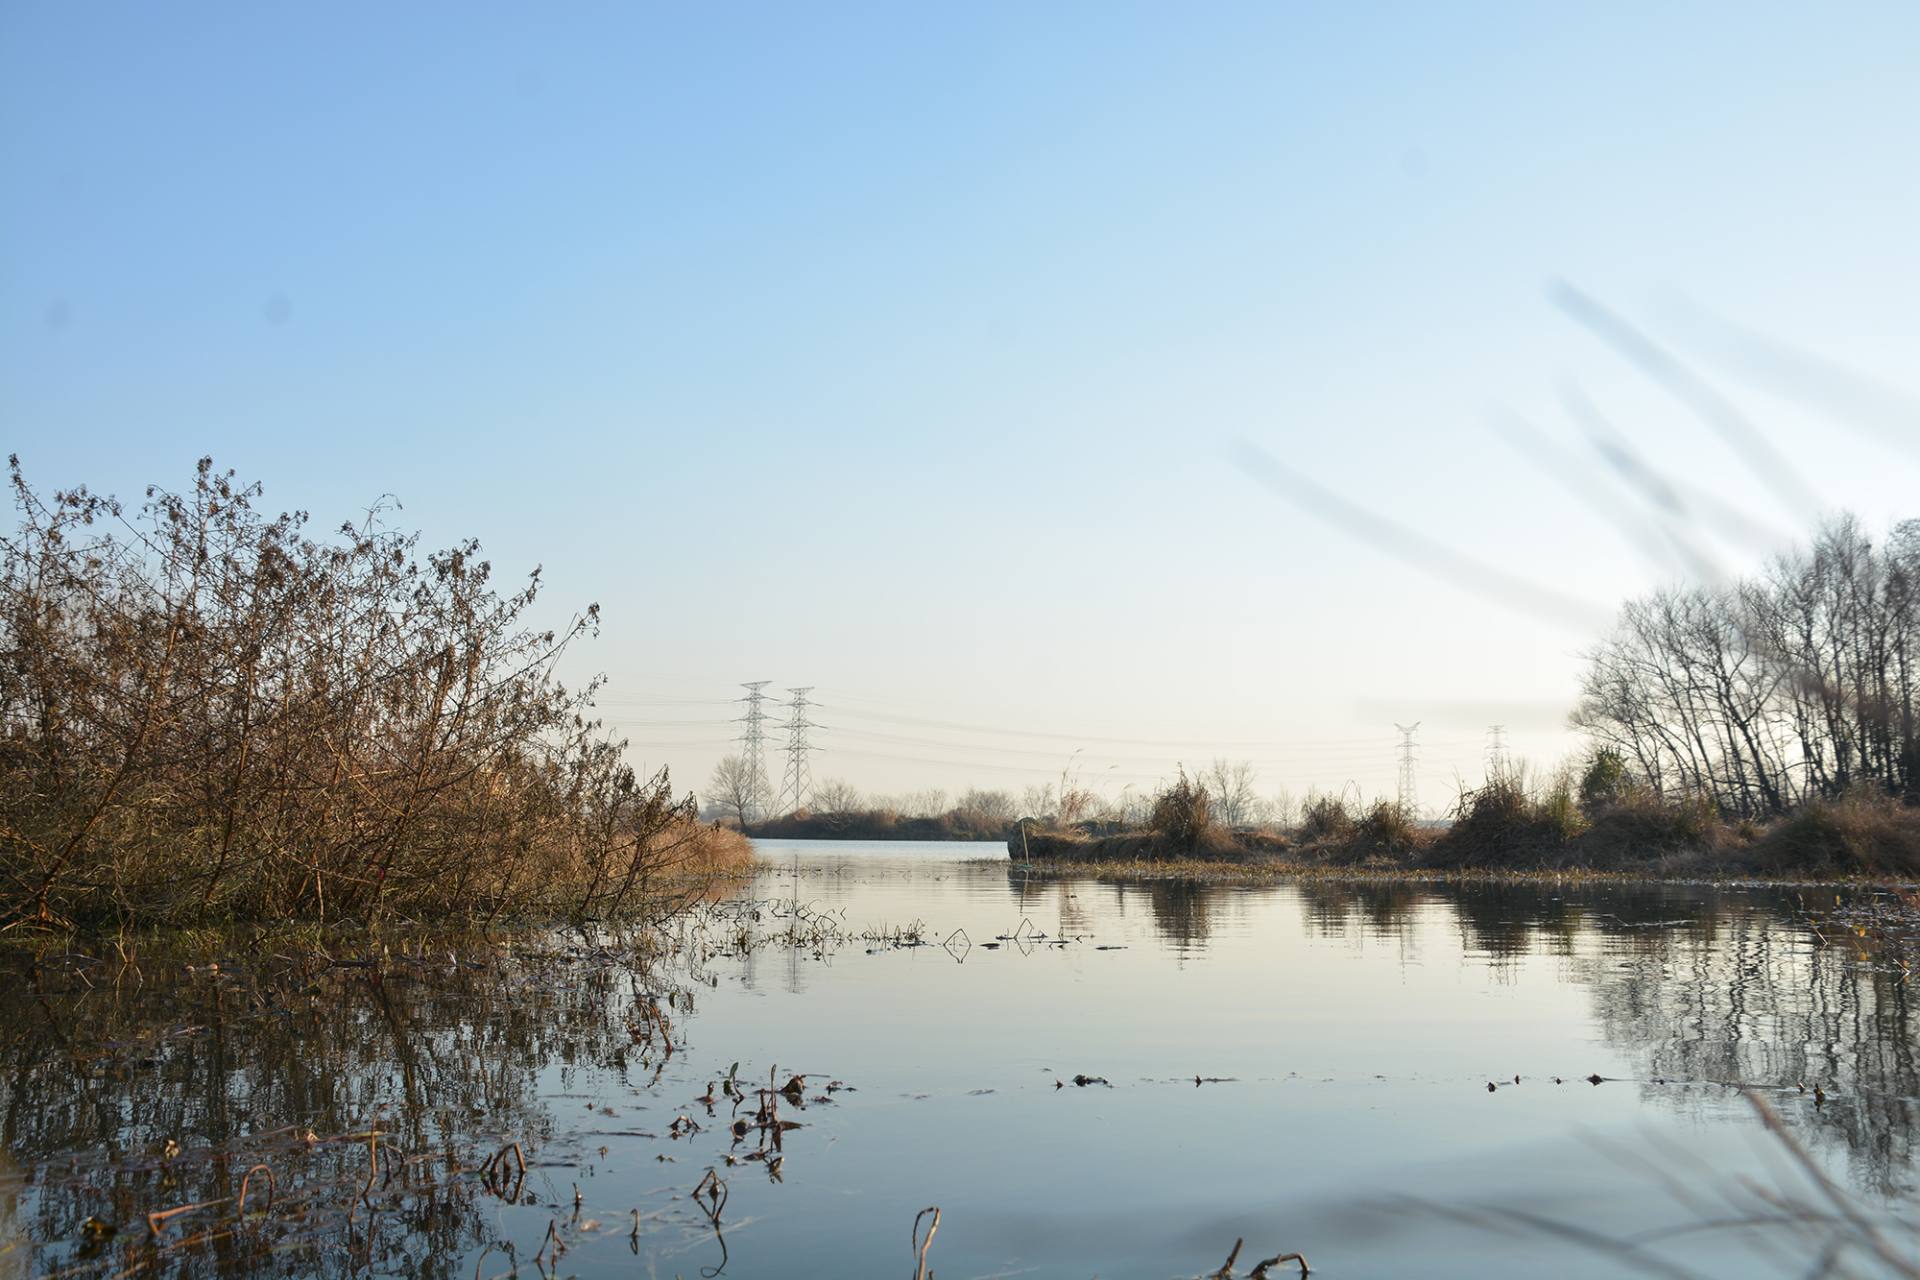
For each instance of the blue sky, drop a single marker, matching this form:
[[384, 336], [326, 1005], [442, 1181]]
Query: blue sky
[[902, 351]]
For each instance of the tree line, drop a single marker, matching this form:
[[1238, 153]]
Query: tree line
[[734, 793], [1759, 694]]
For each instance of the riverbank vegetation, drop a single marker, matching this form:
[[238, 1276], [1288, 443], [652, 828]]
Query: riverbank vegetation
[[882, 824], [208, 713], [836, 810], [1599, 821], [1764, 727]]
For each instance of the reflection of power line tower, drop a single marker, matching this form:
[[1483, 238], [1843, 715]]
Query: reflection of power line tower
[[753, 745], [798, 784], [1496, 750], [1409, 783]]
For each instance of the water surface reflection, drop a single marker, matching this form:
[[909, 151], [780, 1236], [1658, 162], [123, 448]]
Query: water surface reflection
[[1345, 1034]]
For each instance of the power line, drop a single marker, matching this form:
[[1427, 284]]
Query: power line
[[1360, 750], [1079, 739], [798, 784]]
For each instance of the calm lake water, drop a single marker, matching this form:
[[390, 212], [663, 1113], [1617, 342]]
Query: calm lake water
[[1345, 1036]]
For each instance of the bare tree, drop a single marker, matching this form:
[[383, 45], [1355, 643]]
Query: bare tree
[[1281, 810], [1038, 802], [990, 806], [734, 788], [1799, 683], [1230, 786], [835, 795], [208, 712], [930, 803]]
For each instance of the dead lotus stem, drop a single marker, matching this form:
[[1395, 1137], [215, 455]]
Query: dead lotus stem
[[246, 1180], [551, 1242], [714, 1188], [920, 1246], [1260, 1268], [494, 1170], [373, 1165], [160, 1217]]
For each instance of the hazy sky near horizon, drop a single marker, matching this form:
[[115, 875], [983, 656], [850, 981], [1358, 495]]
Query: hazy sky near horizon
[[913, 353]]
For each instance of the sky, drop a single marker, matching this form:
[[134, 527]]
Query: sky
[[964, 363]]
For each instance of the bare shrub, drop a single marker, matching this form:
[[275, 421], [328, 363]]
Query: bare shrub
[[1325, 819], [1863, 831], [1386, 828], [1182, 818], [1636, 826], [209, 713], [1509, 824]]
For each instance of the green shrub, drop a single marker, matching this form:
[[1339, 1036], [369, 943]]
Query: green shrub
[[1605, 779]]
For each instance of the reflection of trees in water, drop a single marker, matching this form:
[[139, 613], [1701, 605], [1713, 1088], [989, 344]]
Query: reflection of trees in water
[[1729, 986], [1761, 1000], [1183, 913], [1182, 910], [1054, 906], [444, 1058], [1507, 920], [1697, 983], [1716, 984], [1379, 909]]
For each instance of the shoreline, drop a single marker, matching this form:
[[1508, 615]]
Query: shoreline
[[1276, 872]]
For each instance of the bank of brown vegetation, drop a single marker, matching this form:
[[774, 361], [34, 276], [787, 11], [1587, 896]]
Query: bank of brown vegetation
[[207, 713], [1520, 825], [1181, 826]]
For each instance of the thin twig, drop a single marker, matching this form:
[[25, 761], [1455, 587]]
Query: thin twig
[[920, 1246]]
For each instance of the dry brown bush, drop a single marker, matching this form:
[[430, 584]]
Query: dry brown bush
[[207, 713], [1862, 832]]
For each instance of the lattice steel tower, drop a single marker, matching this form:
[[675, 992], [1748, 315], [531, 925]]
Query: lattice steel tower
[[798, 784], [1496, 751], [753, 743], [1409, 781]]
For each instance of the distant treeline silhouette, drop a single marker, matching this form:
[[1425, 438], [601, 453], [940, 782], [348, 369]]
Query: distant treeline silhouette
[[209, 713], [881, 824], [837, 809]]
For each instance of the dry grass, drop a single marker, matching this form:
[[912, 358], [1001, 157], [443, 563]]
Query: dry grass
[[1862, 833], [1281, 870], [719, 850]]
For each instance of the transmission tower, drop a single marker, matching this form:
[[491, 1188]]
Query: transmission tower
[[753, 744], [1409, 784], [1496, 750], [798, 784]]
